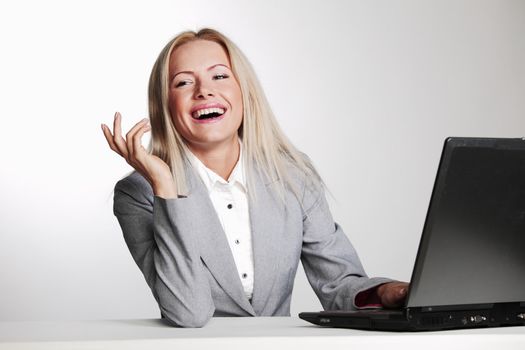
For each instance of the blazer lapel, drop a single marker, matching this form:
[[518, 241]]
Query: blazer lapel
[[267, 223], [214, 248]]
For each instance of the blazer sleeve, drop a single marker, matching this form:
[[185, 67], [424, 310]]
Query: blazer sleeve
[[331, 263], [167, 255]]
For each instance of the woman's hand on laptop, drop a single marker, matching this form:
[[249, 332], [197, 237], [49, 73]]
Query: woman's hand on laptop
[[392, 294]]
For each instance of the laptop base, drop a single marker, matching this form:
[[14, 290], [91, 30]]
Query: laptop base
[[422, 319]]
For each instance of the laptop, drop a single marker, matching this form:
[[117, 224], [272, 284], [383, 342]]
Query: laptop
[[470, 265]]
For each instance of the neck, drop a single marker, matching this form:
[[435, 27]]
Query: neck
[[221, 158]]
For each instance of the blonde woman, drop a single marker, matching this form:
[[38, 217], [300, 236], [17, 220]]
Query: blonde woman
[[221, 207]]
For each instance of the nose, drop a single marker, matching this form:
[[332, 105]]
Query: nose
[[202, 91]]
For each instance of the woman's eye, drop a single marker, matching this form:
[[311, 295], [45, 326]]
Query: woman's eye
[[220, 76], [182, 83]]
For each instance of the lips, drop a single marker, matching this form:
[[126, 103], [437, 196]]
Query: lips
[[208, 111]]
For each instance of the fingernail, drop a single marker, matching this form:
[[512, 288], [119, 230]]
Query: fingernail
[[145, 119], [402, 291], [102, 126]]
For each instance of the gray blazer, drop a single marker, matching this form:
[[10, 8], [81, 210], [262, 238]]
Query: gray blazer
[[181, 249]]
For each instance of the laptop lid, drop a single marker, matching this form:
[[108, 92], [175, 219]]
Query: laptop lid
[[472, 250]]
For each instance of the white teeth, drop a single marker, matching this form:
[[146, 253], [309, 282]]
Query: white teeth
[[200, 112]]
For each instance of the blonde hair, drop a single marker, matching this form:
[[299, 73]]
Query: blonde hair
[[264, 144]]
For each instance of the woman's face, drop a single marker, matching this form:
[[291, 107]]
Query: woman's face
[[205, 99]]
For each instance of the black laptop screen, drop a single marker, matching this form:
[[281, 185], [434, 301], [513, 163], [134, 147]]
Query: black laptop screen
[[473, 246]]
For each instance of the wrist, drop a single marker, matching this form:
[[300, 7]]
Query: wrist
[[164, 188]]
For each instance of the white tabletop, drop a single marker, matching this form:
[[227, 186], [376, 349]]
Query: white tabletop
[[247, 333]]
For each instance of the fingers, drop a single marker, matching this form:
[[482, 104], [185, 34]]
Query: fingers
[[393, 294], [137, 140], [133, 140], [115, 142], [138, 151], [117, 137], [109, 138], [398, 296], [131, 147]]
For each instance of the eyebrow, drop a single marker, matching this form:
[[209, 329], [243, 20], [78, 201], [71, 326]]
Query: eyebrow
[[190, 72]]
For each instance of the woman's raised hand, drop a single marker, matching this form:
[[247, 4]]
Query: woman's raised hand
[[154, 169]]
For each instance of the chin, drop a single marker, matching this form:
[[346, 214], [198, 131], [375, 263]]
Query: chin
[[213, 136], [212, 139]]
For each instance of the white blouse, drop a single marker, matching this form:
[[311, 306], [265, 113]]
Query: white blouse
[[230, 200]]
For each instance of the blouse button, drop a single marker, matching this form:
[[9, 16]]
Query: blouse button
[[244, 275], [230, 206], [237, 241]]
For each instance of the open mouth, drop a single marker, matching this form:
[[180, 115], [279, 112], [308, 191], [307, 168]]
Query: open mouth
[[208, 113]]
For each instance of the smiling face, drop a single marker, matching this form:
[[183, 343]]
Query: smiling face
[[205, 99]]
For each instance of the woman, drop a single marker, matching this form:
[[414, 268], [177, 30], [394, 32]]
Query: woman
[[221, 208]]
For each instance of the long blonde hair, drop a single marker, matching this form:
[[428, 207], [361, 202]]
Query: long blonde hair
[[264, 144]]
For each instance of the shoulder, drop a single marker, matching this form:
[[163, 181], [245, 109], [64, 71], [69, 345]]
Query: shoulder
[[304, 182], [134, 182]]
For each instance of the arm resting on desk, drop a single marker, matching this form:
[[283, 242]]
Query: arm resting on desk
[[330, 261], [167, 256]]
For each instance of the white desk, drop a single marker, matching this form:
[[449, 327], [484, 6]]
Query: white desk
[[244, 333]]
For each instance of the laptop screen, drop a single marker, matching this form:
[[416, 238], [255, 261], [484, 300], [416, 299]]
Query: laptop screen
[[473, 245]]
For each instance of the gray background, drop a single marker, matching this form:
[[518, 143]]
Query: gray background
[[368, 89]]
